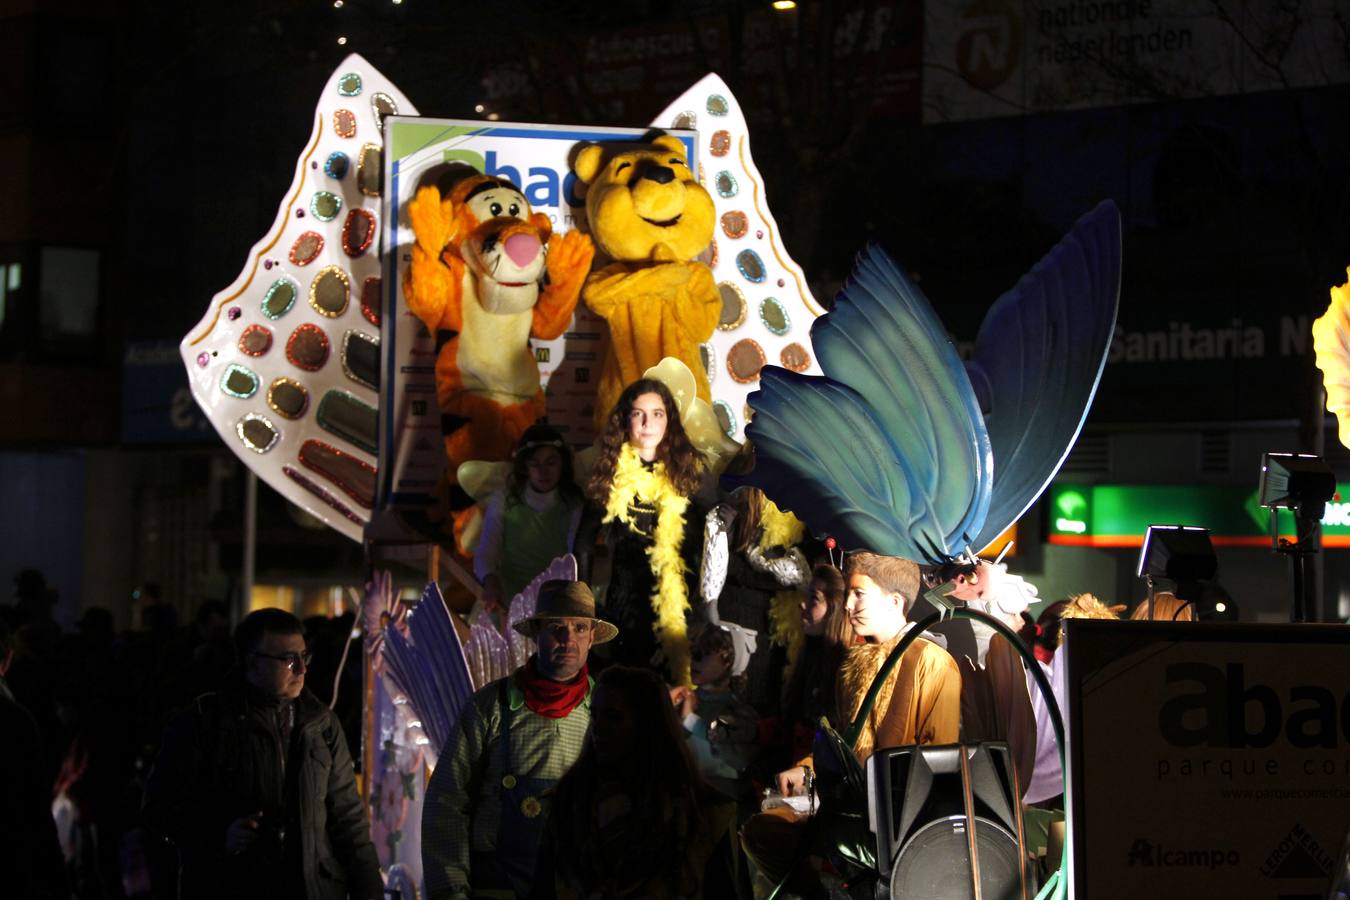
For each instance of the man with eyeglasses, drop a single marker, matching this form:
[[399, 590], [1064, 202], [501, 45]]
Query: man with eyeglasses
[[489, 797], [254, 785]]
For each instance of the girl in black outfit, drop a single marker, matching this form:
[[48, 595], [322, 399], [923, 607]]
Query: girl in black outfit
[[640, 491]]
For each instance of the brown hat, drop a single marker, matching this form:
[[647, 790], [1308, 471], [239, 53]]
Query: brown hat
[[560, 599]]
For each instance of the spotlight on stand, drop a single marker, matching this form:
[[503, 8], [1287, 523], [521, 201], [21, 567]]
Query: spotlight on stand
[[1304, 483], [1298, 481], [1183, 555]]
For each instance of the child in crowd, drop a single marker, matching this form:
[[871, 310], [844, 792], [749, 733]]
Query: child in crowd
[[722, 728], [531, 521]]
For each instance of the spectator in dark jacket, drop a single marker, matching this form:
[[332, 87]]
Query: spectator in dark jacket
[[254, 785], [31, 866]]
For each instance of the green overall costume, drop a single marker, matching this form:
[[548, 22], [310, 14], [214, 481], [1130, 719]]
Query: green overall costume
[[490, 795]]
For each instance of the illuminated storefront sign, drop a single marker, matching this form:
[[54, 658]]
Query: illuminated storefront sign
[[1117, 515]]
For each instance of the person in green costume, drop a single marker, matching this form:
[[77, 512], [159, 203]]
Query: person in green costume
[[531, 521]]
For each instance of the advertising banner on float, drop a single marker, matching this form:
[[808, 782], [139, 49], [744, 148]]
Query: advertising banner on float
[[537, 159], [1000, 58], [1207, 760]]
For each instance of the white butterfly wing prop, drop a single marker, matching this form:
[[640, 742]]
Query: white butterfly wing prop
[[286, 361], [767, 308], [486, 652]]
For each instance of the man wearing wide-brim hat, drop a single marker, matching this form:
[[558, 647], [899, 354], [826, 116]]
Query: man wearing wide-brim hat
[[489, 797]]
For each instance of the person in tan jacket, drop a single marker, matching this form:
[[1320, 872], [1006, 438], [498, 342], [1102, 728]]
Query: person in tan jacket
[[919, 703]]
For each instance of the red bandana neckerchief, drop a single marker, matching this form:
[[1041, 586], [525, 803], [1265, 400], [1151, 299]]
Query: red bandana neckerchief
[[548, 698]]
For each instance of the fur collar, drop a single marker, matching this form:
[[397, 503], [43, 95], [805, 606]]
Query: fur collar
[[859, 668]]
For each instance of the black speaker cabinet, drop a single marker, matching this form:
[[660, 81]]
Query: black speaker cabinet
[[947, 823]]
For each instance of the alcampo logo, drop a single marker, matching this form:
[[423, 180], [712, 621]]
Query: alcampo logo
[[1146, 853], [988, 43]]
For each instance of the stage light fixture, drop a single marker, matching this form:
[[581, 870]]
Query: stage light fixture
[[1184, 555], [1304, 483], [1297, 481], [1178, 553]]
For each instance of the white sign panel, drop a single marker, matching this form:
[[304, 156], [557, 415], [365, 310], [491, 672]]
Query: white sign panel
[[537, 159], [1208, 760]]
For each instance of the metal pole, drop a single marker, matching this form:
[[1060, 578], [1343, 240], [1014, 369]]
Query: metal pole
[[1318, 607], [250, 542]]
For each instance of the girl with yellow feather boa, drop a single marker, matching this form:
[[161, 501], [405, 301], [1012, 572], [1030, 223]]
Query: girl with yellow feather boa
[[640, 490]]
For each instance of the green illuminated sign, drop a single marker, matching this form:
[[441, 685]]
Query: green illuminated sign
[[1117, 515]]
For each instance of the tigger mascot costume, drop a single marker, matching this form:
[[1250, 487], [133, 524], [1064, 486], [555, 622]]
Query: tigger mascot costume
[[488, 274]]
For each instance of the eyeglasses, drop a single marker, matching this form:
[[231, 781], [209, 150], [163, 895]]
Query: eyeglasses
[[296, 662]]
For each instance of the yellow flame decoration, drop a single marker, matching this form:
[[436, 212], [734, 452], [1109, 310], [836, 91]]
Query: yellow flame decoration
[[1331, 343]]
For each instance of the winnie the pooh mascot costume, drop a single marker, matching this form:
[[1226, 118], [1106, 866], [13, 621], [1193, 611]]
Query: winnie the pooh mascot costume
[[648, 212], [487, 274]]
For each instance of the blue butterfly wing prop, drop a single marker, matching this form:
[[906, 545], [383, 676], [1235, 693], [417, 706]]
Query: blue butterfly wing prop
[[889, 450], [821, 453], [1038, 360]]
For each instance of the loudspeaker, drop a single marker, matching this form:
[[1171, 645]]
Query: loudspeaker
[[948, 823]]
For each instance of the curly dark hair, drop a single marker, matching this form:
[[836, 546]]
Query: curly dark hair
[[684, 465], [535, 438]]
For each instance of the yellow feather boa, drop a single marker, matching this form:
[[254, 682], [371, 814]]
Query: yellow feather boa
[[783, 529], [670, 598], [778, 528]]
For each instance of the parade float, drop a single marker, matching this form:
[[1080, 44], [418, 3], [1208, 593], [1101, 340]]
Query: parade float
[[388, 339]]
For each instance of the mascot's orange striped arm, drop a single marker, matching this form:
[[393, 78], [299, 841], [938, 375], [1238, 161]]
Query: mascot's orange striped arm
[[488, 274]]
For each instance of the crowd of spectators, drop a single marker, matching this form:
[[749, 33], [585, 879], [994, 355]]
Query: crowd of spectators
[[84, 711]]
